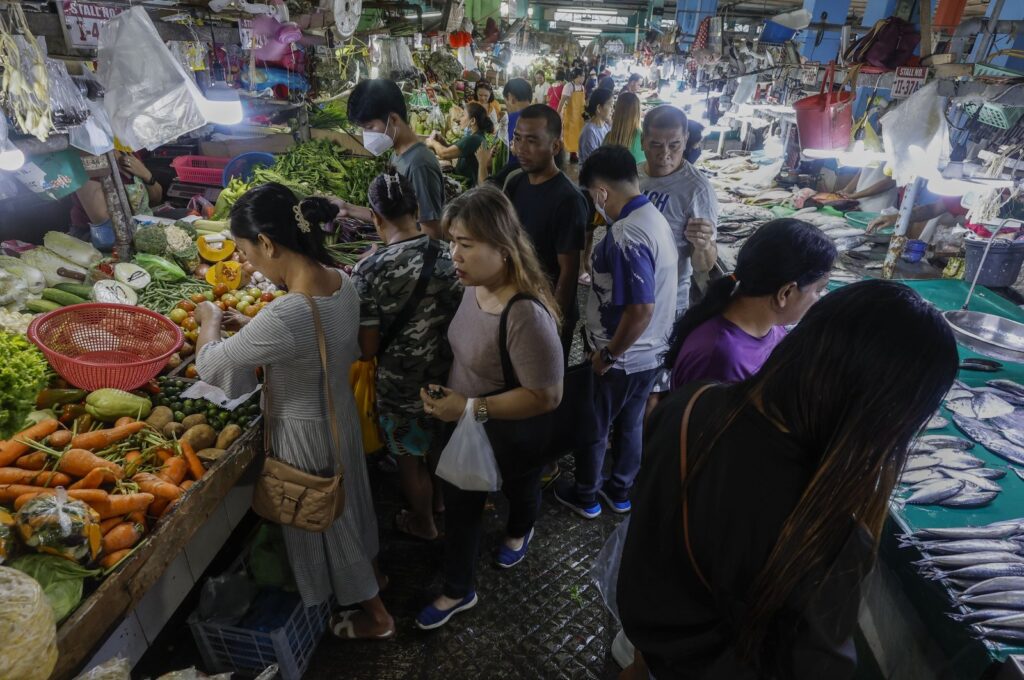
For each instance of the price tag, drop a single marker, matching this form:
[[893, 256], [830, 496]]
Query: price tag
[[809, 74], [83, 21], [909, 80]]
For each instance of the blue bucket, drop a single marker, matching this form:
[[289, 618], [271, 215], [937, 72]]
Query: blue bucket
[[775, 33], [914, 250], [243, 165]]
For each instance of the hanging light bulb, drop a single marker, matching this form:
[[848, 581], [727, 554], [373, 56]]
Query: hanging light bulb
[[11, 157], [221, 104]]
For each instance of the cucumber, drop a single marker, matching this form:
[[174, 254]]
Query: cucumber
[[61, 298], [41, 306], [79, 289]]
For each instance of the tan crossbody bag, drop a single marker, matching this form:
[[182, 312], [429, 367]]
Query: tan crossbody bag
[[286, 495]]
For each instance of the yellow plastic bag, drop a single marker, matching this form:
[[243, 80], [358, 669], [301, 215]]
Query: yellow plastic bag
[[362, 376]]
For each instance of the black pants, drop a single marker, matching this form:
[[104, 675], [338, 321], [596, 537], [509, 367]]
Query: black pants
[[463, 516]]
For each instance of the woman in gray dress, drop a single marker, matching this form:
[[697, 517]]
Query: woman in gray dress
[[283, 239]]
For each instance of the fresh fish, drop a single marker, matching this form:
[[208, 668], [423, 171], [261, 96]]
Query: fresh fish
[[982, 572], [918, 448], [996, 585], [958, 393], [971, 545], [966, 476], [964, 406], [957, 460], [967, 533], [1011, 621], [982, 615], [969, 499], [920, 476], [987, 405], [989, 473], [1018, 472], [920, 462], [1007, 386], [1011, 429], [937, 422], [967, 559], [990, 439], [1008, 397], [1009, 599], [1012, 635], [933, 492], [946, 441]]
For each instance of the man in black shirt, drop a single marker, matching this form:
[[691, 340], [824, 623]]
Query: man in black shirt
[[550, 207]]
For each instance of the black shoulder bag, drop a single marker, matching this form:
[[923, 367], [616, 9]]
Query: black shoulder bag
[[409, 308]]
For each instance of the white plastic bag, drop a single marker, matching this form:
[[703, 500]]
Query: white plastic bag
[[149, 97], [94, 136], [916, 136], [605, 572], [468, 460]]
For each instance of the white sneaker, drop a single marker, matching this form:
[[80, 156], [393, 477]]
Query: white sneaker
[[622, 649]]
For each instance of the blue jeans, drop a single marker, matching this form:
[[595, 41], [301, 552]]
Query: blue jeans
[[619, 398]]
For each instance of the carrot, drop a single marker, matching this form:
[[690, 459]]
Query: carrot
[[79, 462], [170, 506], [164, 454], [138, 517], [132, 461], [15, 475], [124, 420], [108, 524], [158, 507], [186, 485], [59, 439], [195, 466], [101, 439], [118, 505], [114, 558], [173, 470], [124, 535], [10, 492], [157, 486], [32, 461], [96, 478], [89, 496], [17, 446]]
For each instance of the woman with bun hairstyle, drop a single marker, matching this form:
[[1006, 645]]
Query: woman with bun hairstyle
[[284, 239], [599, 122]]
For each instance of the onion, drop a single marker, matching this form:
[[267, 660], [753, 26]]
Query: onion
[[202, 269], [248, 268], [236, 257]]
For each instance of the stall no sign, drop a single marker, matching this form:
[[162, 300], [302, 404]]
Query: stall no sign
[[909, 80], [83, 20]]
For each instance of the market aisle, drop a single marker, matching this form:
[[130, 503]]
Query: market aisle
[[542, 619]]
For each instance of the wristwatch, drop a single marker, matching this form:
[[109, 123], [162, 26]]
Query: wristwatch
[[480, 410], [607, 357], [151, 182]]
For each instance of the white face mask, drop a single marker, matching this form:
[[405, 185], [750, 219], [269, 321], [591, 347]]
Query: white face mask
[[602, 213], [377, 142]]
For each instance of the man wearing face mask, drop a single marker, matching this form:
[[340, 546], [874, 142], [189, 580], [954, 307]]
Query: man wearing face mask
[[378, 107], [630, 313]]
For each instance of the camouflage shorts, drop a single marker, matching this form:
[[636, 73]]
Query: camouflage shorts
[[407, 435]]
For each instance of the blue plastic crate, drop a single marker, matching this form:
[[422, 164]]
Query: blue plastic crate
[[774, 33]]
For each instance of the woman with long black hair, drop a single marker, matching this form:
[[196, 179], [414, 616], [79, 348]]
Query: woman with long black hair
[[476, 124], [762, 503], [780, 272]]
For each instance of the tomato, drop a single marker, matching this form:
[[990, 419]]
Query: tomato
[[177, 315], [278, 293], [208, 296], [229, 300], [223, 307], [220, 290], [253, 292], [198, 297], [190, 324], [191, 371], [186, 306], [267, 297], [192, 336], [251, 310], [242, 306]]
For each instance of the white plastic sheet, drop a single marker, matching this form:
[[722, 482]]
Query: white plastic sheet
[[149, 97], [916, 136], [468, 460]]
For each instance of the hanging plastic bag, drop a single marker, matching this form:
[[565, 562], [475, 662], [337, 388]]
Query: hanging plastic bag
[[94, 136], [363, 378], [916, 135], [468, 460], [149, 97]]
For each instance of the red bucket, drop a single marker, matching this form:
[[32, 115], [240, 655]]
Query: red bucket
[[824, 120]]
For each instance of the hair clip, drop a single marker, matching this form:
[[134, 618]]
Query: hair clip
[[300, 219], [390, 179]]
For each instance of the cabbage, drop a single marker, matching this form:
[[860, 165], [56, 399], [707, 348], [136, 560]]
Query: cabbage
[[71, 248], [13, 291], [161, 269], [50, 264], [32, 277], [61, 580]]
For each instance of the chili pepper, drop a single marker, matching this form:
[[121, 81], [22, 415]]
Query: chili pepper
[[151, 387], [50, 397]]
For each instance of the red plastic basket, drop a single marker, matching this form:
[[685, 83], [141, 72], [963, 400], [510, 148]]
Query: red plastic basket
[[201, 169], [96, 345]]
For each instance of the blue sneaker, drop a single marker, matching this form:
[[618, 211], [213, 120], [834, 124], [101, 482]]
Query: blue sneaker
[[508, 558], [565, 493], [618, 507], [431, 617]]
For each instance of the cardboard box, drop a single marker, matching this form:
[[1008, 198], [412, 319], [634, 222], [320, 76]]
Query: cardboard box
[[230, 148]]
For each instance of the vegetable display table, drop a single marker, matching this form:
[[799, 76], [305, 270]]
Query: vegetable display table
[[126, 612]]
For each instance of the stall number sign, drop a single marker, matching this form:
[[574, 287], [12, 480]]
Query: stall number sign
[[809, 75], [908, 80], [83, 21]]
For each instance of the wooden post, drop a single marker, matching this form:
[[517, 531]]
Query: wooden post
[[899, 236]]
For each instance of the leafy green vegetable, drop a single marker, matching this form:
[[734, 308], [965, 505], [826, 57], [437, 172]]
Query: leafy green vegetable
[[23, 372], [161, 269], [61, 579]]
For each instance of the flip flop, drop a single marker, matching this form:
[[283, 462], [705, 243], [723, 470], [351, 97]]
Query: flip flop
[[343, 628], [402, 526]]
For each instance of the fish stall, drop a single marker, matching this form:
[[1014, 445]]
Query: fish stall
[[954, 546]]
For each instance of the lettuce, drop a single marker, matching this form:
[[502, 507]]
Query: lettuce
[[23, 372], [160, 268], [61, 579]]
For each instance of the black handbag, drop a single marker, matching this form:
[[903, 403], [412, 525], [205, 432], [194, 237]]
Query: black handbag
[[522, 445]]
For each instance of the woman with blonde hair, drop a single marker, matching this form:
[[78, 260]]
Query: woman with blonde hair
[[506, 290], [626, 126]]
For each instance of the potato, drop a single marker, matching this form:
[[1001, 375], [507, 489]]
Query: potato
[[173, 430], [228, 436], [195, 419], [200, 437], [159, 418], [210, 455]]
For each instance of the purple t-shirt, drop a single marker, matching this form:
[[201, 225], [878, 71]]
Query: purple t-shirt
[[720, 350]]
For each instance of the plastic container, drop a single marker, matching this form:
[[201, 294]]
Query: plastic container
[[96, 345], [774, 33], [914, 251], [1002, 266], [824, 120], [200, 169], [243, 165]]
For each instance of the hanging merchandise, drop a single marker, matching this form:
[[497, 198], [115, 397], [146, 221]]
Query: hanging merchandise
[[95, 135], [824, 120], [67, 104], [890, 43], [25, 85], [150, 99], [346, 16], [916, 135], [396, 60]]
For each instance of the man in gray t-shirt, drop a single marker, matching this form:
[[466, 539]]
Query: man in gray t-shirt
[[683, 195], [419, 165]]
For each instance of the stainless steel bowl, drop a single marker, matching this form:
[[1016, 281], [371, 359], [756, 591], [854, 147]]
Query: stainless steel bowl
[[988, 334]]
